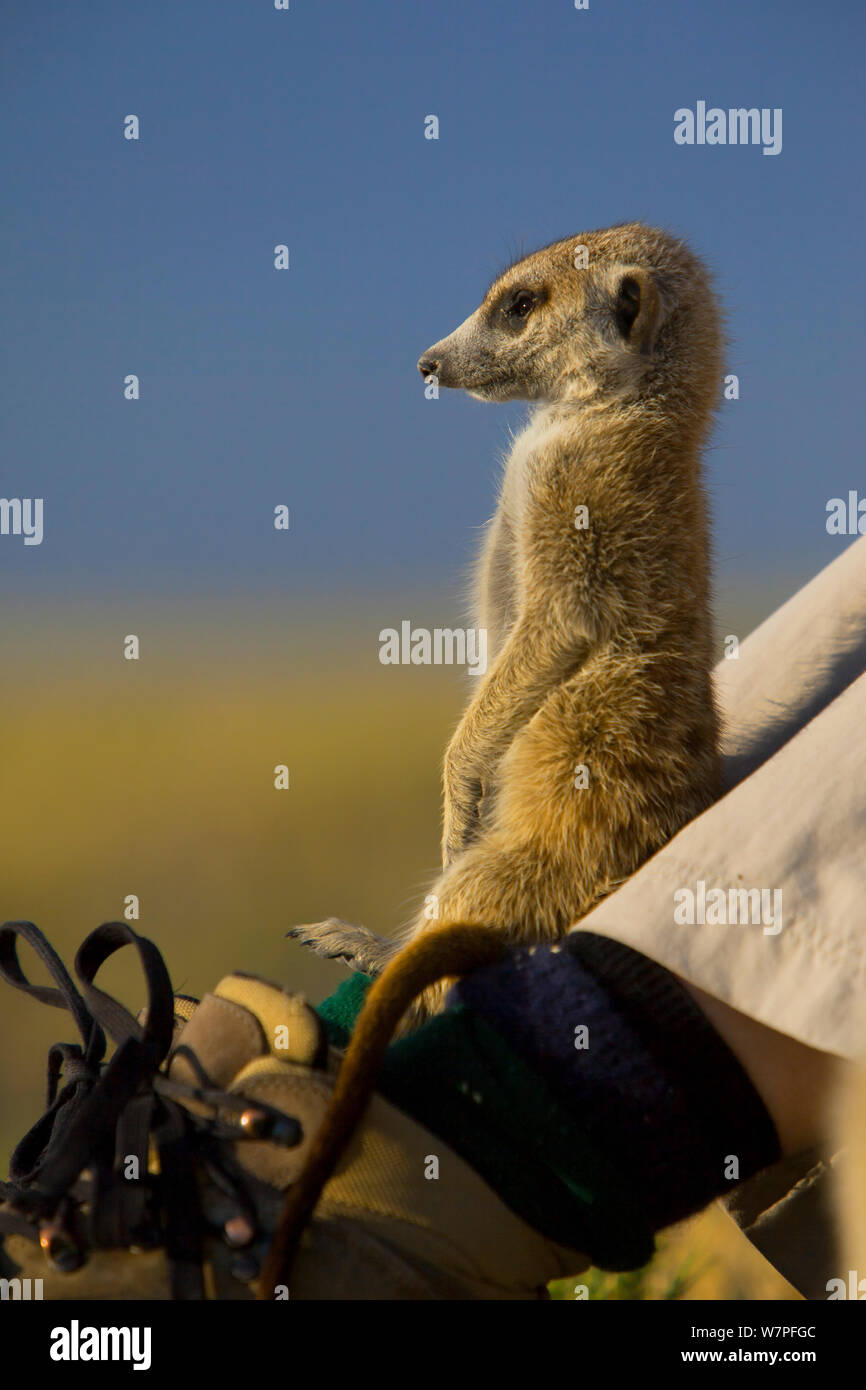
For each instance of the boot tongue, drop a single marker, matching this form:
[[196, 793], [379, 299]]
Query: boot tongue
[[292, 1029], [244, 1019]]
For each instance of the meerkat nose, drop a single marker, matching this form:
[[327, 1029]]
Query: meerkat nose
[[428, 366]]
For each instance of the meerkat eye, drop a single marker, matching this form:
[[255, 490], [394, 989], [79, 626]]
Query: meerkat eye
[[519, 304]]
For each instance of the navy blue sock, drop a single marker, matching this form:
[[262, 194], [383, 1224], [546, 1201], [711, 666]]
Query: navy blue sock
[[622, 1045], [585, 1086]]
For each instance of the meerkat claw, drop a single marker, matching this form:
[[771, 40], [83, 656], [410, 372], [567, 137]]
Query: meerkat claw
[[334, 939]]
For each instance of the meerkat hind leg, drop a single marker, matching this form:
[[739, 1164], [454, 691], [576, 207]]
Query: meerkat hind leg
[[335, 939]]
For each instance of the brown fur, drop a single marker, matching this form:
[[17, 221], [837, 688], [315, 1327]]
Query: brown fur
[[600, 638]]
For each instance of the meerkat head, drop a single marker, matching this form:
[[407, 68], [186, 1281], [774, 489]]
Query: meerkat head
[[627, 311]]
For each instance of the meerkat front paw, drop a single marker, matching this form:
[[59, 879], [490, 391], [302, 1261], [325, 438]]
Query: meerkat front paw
[[335, 939]]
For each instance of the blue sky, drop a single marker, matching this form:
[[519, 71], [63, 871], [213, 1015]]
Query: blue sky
[[307, 127]]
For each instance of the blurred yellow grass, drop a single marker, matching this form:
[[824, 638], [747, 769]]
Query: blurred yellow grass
[[156, 778]]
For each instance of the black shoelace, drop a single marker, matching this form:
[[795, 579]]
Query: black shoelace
[[72, 1187]]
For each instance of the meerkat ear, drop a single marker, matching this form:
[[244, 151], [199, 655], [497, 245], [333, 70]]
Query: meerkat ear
[[637, 306]]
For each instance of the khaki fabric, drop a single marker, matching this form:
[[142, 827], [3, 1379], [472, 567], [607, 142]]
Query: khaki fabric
[[409, 1189], [794, 819], [405, 1218], [788, 1214]]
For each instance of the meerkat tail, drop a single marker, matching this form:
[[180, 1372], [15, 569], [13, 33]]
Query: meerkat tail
[[448, 950]]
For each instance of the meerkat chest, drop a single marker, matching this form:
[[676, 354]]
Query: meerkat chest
[[500, 578], [529, 457]]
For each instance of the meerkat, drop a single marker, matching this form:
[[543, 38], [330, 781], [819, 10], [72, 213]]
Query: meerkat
[[593, 736]]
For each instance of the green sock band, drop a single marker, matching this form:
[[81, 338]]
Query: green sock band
[[340, 1010]]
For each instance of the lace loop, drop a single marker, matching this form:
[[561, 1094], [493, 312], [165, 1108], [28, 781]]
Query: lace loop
[[65, 996], [118, 1022]]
